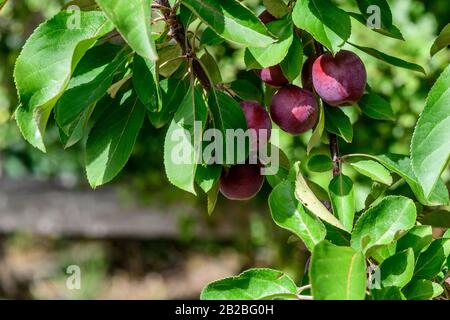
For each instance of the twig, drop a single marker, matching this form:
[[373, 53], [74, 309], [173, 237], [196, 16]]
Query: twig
[[177, 30]]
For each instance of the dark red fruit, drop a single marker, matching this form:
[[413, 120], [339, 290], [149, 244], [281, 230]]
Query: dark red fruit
[[294, 109], [339, 80], [307, 74], [241, 182], [266, 17], [258, 119], [273, 76]]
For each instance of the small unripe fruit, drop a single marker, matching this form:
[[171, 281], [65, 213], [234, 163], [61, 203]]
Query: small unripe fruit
[[339, 80], [273, 76], [294, 109], [241, 182], [258, 119], [266, 17], [307, 74]]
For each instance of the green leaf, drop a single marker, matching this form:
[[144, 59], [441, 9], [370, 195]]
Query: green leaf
[[145, 83], [318, 131], [320, 163], [170, 60], [375, 107], [343, 199], [232, 21], [207, 176], [182, 146], [246, 90], [209, 64], [256, 58], [390, 59], [423, 290], [2, 3], [397, 271], [44, 67], [384, 223], [289, 214], [253, 284], [430, 147], [293, 62], [337, 122], [227, 114], [392, 31], [385, 10], [112, 139], [212, 197], [418, 238], [210, 38], [401, 165], [373, 170], [389, 293], [276, 8], [442, 41], [304, 194], [90, 81], [324, 21], [432, 260], [337, 273], [436, 218], [132, 19]]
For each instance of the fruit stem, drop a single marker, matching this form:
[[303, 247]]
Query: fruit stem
[[334, 151], [177, 30]]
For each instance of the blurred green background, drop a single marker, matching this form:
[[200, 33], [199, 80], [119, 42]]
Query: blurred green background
[[198, 248]]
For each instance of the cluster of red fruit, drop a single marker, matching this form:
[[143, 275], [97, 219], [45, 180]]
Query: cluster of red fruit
[[338, 80]]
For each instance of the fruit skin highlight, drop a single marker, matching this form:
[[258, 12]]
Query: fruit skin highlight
[[339, 80], [273, 76], [258, 119], [294, 110], [241, 182]]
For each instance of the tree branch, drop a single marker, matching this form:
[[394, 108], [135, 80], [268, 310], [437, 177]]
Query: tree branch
[[177, 30]]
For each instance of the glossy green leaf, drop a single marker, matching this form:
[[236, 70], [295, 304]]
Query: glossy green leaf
[[253, 284], [337, 122], [90, 81], [289, 214], [432, 260], [246, 90], [256, 58], [442, 41], [376, 107], [44, 67], [324, 21], [337, 273], [232, 21], [207, 176], [210, 66], [320, 163], [112, 139], [385, 11], [423, 290], [430, 147], [373, 170], [210, 38], [389, 293], [384, 223], [145, 82], [390, 59], [397, 271], [293, 62], [304, 194], [342, 197], [182, 146], [132, 19], [418, 238]]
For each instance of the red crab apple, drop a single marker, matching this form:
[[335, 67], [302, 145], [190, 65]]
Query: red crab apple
[[339, 80], [258, 119], [294, 109], [273, 76], [241, 182], [266, 17]]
